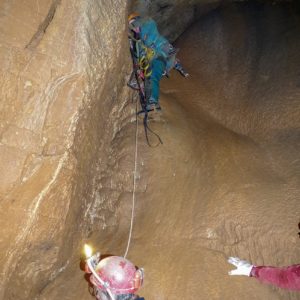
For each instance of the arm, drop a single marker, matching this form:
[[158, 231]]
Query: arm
[[286, 278]]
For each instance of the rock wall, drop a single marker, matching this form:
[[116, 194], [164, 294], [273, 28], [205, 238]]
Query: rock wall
[[249, 66], [62, 79], [227, 179]]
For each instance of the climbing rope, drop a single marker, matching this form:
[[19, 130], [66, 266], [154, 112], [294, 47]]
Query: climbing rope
[[134, 178]]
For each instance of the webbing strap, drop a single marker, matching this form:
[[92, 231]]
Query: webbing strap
[[142, 97]]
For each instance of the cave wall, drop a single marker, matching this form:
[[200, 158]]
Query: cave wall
[[62, 80], [249, 67], [66, 128], [64, 113], [227, 178]]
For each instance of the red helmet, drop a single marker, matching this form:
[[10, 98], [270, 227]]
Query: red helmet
[[119, 275]]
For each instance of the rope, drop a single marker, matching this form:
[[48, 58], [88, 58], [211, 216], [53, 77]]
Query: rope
[[134, 180]]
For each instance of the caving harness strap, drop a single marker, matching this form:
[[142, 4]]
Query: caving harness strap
[[141, 58]]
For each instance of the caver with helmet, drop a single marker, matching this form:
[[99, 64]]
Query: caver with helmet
[[155, 56], [119, 278]]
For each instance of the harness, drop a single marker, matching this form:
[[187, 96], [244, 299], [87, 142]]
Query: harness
[[141, 71], [144, 57]]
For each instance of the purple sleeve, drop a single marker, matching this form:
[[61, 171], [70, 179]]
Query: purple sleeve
[[286, 277]]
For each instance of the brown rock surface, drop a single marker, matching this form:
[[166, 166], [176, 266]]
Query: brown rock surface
[[225, 182], [60, 80]]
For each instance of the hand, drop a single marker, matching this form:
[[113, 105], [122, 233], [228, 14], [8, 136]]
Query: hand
[[243, 267]]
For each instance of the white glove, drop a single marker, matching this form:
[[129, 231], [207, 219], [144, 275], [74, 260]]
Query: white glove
[[243, 267]]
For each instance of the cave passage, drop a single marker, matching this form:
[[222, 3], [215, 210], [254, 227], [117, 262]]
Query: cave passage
[[226, 181]]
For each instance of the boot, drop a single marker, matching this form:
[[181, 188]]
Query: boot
[[151, 106]]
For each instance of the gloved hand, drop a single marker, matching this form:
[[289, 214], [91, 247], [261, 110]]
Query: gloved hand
[[243, 267]]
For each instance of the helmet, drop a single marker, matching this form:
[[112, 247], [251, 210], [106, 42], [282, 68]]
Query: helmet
[[119, 275], [133, 16]]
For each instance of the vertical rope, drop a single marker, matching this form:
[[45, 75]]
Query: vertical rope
[[134, 179]]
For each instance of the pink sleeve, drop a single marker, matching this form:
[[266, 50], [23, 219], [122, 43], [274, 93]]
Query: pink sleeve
[[286, 278]]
